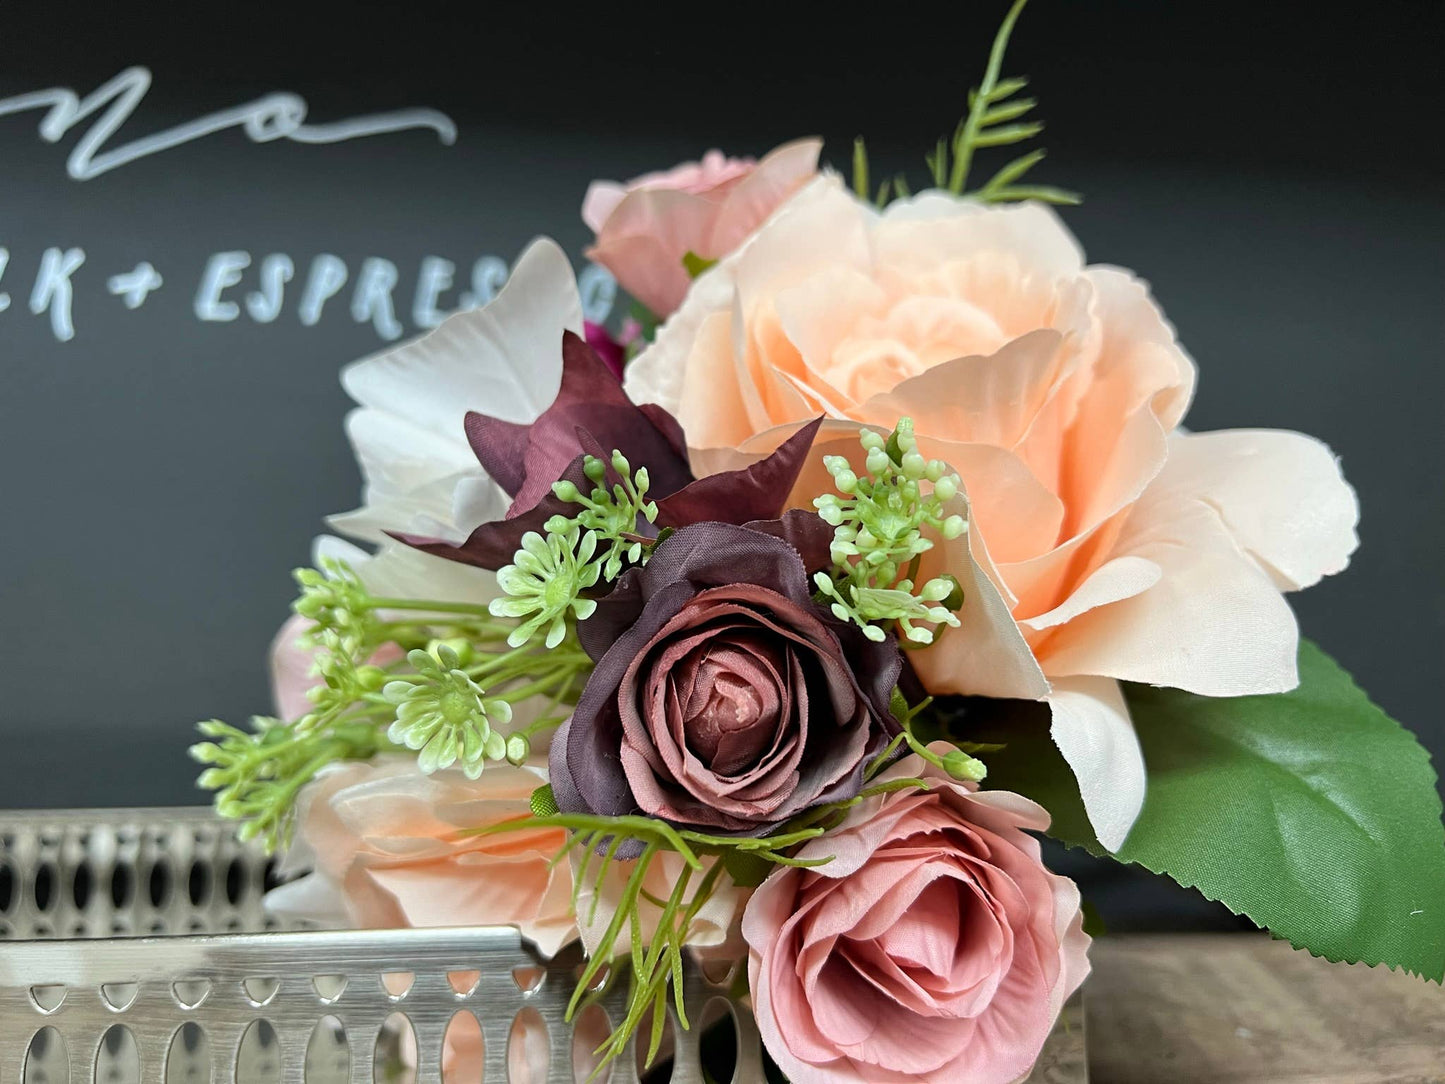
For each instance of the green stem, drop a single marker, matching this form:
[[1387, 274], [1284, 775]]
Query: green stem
[[429, 605], [968, 135]]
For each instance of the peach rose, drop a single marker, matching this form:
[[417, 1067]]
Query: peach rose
[[380, 841], [933, 946], [383, 846], [645, 227], [1106, 544]]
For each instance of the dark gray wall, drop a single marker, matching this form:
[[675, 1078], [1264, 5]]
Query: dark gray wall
[[1271, 169]]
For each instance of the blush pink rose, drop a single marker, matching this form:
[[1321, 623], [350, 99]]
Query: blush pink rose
[[933, 946], [1105, 544], [645, 227]]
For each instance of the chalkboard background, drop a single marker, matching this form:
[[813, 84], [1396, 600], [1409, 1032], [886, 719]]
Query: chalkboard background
[[1269, 167]]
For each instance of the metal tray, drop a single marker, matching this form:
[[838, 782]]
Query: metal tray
[[133, 947]]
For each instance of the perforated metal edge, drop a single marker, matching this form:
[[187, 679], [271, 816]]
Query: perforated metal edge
[[80, 941]]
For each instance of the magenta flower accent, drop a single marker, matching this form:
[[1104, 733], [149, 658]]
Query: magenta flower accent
[[612, 352]]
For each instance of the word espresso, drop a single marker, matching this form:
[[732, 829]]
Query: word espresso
[[232, 285]]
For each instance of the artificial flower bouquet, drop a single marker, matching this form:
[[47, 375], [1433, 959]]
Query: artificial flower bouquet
[[775, 624]]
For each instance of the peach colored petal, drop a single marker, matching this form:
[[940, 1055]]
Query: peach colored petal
[[1280, 494], [1214, 623], [1131, 321], [1091, 727], [932, 227], [1013, 513], [821, 227], [1040, 584], [1121, 578], [982, 398], [659, 373], [1102, 476], [818, 312], [389, 846], [766, 355], [987, 654], [718, 409]]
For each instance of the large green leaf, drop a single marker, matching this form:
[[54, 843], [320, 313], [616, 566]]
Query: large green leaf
[[1312, 812]]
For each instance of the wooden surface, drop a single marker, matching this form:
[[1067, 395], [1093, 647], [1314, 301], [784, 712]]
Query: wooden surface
[[1243, 1009]]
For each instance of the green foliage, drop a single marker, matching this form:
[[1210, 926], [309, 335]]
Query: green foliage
[[996, 118], [1311, 812], [543, 801], [257, 774], [458, 679], [545, 581], [614, 513], [550, 575], [595, 841], [694, 264], [878, 538], [654, 964]]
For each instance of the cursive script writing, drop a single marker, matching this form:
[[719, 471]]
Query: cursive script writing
[[281, 115]]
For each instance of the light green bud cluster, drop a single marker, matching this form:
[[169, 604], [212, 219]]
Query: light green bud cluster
[[879, 526], [548, 575], [257, 774], [545, 582], [433, 702], [333, 597], [445, 715], [610, 514], [343, 680]]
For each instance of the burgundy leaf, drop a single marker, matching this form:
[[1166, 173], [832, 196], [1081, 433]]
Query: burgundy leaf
[[755, 492]]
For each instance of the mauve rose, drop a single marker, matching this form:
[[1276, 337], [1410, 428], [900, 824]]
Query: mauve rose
[[934, 945], [723, 698]]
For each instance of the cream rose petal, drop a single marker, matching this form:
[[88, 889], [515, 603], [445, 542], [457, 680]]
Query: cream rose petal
[[446, 894], [1214, 624], [1121, 578], [1092, 729], [823, 227], [1281, 495], [933, 227], [985, 398]]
